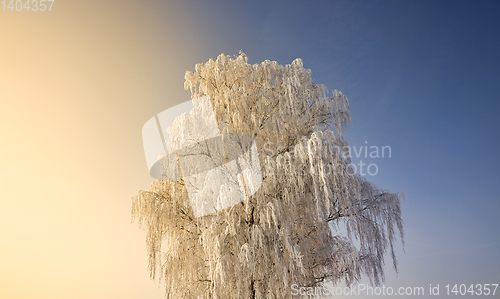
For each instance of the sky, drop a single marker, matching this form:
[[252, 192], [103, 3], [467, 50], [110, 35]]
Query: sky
[[77, 84]]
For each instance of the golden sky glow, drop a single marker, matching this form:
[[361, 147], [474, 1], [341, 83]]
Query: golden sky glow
[[76, 85]]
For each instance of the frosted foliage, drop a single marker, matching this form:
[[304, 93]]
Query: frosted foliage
[[195, 126], [286, 232], [214, 167]]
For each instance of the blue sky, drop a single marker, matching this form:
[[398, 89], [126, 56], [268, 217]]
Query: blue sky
[[421, 77]]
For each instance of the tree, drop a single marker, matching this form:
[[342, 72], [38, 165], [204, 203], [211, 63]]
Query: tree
[[287, 231]]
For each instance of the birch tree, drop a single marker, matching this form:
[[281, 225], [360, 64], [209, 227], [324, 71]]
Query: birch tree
[[287, 231]]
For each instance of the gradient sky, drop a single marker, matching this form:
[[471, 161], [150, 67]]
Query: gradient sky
[[77, 84]]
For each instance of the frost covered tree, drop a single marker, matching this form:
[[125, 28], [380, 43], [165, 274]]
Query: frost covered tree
[[287, 231]]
